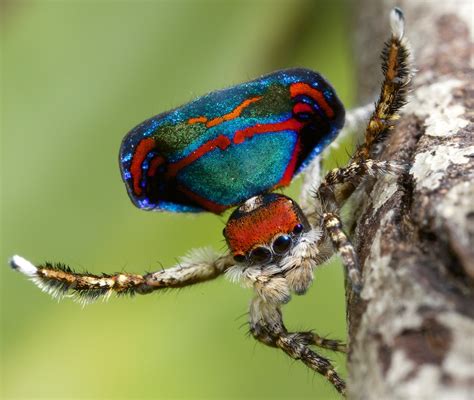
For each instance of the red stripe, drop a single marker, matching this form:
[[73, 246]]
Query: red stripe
[[141, 152], [196, 120], [234, 113], [307, 90], [290, 169], [302, 108], [204, 203], [221, 141], [154, 164], [288, 125], [226, 117]]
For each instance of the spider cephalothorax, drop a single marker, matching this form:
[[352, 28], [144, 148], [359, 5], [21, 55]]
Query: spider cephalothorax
[[274, 246], [232, 148], [264, 229]]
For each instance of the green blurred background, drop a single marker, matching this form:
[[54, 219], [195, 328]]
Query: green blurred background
[[76, 76]]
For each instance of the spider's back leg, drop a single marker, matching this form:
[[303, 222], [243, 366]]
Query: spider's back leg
[[266, 325]]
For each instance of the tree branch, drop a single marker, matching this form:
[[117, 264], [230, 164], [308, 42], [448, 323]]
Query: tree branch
[[412, 329]]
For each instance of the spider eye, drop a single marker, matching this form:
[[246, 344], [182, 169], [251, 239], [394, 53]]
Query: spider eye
[[281, 244], [260, 255], [240, 258], [298, 229]]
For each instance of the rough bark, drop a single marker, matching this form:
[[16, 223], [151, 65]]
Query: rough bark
[[412, 329]]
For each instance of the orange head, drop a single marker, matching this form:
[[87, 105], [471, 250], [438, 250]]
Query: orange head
[[264, 228]]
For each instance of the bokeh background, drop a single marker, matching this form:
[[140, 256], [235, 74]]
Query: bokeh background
[[76, 76]]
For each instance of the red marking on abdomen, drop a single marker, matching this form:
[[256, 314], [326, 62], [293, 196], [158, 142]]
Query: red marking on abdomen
[[234, 113], [290, 168], [196, 120], [221, 142], [144, 147], [302, 108], [307, 90], [226, 117], [154, 164], [204, 203], [290, 124]]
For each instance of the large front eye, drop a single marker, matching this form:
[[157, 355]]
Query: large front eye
[[281, 244], [260, 255]]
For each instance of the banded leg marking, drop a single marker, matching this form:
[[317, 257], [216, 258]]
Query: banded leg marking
[[350, 177], [59, 280], [266, 325], [333, 226], [397, 70]]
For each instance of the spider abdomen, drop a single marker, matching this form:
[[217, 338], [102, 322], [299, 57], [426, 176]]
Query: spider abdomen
[[229, 145]]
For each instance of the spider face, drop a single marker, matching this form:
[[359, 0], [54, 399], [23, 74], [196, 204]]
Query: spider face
[[264, 229]]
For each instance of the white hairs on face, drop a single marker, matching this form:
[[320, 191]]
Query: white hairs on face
[[305, 248]]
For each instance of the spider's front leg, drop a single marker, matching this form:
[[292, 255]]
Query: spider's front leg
[[396, 66], [266, 325], [335, 188], [340, 183], [60, 280]]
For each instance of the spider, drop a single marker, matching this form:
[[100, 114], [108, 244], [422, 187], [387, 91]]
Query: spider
[[257, 135]]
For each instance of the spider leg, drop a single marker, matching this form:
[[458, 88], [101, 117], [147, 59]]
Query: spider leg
[[339, 183], [335, 188], [396, 67], [59, 280], [266, 325], [328, 344], [397, 70], [341, 243], [356, 120]]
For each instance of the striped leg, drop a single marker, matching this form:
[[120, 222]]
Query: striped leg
[[313, 339], [266, 325], [397, 71], [296, 348], [396, 67], [339, 183], [329, 344], [336, 187], [341, 243], [59, 280]]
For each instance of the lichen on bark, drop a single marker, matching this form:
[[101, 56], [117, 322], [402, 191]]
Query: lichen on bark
[[412, 329]]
